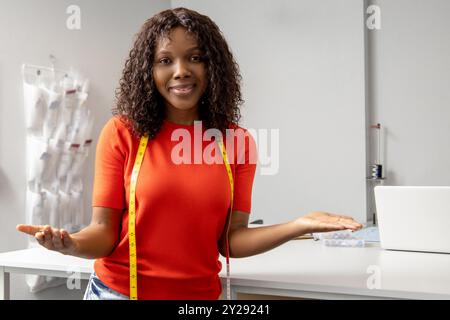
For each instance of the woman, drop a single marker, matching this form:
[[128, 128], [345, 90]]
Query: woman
[[180, 71]]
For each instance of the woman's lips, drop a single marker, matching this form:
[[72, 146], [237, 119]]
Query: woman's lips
[[182, 90]]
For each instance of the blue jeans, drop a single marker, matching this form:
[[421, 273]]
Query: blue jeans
[[97, 290]]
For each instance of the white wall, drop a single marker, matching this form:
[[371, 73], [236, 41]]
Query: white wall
[[302, 64], [29, 32], [409, 83]]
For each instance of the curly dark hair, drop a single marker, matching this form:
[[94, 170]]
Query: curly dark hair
[[138, 100]]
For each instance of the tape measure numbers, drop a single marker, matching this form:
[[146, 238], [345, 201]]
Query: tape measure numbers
[[132, 217], [230, 178]]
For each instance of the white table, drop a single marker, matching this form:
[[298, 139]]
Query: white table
[[298, 268], [307, 269], [40, 261]]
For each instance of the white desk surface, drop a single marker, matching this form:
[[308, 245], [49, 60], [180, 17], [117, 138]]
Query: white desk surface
[[43, 259], [302, 268], [307, 265]]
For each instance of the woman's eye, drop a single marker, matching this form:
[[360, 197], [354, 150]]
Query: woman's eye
[[164, 61], [196, 58]]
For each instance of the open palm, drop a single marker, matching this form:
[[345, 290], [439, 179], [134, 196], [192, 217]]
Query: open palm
[[319, 221], [50, 238]]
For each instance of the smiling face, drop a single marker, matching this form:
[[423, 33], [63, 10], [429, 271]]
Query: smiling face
[[180, 75]]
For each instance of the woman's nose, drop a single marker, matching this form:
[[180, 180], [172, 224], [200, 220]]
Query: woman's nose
[[181, 70]]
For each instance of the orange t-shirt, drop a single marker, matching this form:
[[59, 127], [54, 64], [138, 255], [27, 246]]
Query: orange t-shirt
[[181, 209]]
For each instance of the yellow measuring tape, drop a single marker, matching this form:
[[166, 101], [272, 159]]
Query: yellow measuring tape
[[132, 216], [230, 178]]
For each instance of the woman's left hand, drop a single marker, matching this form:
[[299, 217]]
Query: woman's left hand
[[318, 221]]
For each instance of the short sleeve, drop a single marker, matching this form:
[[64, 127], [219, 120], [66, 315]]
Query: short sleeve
[[245, 168], [108, 189]]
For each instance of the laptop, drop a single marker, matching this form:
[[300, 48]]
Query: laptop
[[413, 218]]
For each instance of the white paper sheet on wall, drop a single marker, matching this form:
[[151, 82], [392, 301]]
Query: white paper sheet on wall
[[59, 126]]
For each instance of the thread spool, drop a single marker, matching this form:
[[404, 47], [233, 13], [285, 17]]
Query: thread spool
[[376, 171]]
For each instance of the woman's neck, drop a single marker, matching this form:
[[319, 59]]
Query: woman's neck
[[183, 117]]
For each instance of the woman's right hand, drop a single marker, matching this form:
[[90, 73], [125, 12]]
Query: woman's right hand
[[51, 238]]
